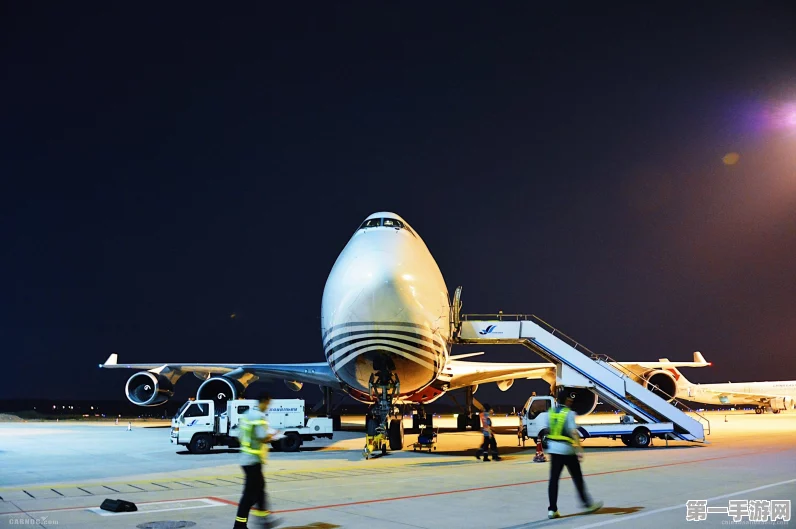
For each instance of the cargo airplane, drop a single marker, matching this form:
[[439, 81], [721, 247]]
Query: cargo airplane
[[387, 327]]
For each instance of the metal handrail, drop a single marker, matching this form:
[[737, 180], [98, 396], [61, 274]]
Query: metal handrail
[[671, 399], [624, 372]]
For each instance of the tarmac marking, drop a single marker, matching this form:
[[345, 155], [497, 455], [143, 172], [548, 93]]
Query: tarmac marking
[[110, 488], [88, 508], [505, 485], [55, 491], [681, 505], [202, 503]]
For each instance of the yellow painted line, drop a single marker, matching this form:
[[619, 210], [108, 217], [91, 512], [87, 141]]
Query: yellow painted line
[[360, 468]]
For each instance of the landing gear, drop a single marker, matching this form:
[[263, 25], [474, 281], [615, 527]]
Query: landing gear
[[397, 434], [421, 418], [775, 410], [383, 387], [470, 418]]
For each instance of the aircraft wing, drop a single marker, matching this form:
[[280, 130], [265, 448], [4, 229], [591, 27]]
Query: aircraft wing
[[464, 374], [471, 373], [312, 373], [640, 368]]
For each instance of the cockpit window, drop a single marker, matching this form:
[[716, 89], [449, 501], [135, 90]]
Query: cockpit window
[[371, 223], [393, 223]]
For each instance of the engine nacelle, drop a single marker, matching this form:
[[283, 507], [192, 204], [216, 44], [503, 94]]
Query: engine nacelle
[[292, 385], [782, 403], [584, 400], [220, 390], [148, 389], [504, 385], [662, 383]]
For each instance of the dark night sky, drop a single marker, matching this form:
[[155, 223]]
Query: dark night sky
[[163, 169]]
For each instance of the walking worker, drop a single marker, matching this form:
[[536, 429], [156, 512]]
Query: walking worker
[[489, 436], [565, 450], [254, 436]]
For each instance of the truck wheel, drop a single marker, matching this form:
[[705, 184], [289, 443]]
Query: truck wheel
[[290, 442], [758, 411], [276, 446], [641, 437], [541, 435], [200, 444], [626, 440], [396, 434]]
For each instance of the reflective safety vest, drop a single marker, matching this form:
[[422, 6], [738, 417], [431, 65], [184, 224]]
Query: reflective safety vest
[[249, 442], [558, 420]]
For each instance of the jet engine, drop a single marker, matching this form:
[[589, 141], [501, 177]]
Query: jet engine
[[782, 403], [504, 385], [292, 385], [220, 390], [148, 389], [584, 400], [662, 383]]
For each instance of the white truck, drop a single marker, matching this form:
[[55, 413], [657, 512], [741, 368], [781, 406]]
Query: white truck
[[200, 426], [534, 423]]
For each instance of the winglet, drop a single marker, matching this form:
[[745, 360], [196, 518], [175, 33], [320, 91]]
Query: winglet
[[699, 358], [112, 360]]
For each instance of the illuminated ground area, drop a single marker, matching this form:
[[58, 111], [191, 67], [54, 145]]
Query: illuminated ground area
[[57, 472]]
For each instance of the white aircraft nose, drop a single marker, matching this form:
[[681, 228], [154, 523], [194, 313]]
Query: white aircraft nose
[[385, 304]]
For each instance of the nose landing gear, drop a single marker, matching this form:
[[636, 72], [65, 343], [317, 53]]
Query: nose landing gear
[[384, 387]]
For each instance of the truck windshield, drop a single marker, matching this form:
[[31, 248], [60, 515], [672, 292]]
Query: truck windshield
[[182, 408]]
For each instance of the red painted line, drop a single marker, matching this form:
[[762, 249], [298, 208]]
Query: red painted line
[[222, 500], [501, 486]]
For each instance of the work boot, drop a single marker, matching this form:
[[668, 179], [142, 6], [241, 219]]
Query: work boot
[[497, 458], [486, 458], [594, 507]]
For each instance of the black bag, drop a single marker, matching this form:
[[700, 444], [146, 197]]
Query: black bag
[[118, 506]]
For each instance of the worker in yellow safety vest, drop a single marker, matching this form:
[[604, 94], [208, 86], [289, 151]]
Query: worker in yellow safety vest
[[254, 436], [564, 449]]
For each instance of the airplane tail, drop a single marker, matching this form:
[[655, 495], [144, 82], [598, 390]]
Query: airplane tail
[[678, 376]]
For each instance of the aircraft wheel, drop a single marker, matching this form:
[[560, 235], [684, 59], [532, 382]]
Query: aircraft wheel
[[774, 410], [396, 434], [461, 422]]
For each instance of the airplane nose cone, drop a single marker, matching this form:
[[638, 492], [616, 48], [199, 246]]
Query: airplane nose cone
[[385, 304]]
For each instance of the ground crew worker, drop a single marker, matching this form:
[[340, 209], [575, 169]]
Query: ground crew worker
[[489, 436], [563, 446], [254, 436]]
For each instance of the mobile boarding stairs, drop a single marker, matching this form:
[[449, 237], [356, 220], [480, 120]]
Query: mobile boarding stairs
[[578, 367]]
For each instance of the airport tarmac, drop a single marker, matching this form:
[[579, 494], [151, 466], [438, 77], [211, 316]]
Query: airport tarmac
[[57, 474]]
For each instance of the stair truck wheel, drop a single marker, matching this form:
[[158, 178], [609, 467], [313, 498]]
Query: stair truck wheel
[[641, 437], [396, 434], [626, 440]]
